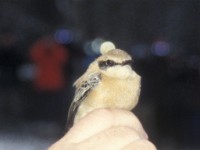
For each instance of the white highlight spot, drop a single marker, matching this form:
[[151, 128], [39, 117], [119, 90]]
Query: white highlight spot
[[106, 46]]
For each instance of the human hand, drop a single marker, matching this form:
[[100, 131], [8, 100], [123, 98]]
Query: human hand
[[106, 129]]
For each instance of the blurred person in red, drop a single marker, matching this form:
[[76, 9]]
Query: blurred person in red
[[49, 58]]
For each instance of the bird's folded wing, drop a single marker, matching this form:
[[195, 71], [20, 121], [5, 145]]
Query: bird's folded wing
[[81, 92]]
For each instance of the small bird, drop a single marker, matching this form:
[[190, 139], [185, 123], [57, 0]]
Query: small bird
[[109, 82]]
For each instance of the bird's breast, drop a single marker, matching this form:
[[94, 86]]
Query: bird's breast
[[111, 93], [116, 93]]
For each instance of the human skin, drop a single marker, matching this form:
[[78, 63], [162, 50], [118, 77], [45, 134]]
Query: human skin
[[108, 129]]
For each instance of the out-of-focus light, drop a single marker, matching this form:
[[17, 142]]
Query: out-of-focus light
[[26, 72], [96, 43], [87, 47], [63, 36], [106, 46], [161, 48], [96, 46], [140, 51]]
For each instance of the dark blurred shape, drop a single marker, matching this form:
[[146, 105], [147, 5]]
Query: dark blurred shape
[[172, 87], [10, 85], [49, 58], [10, 60]]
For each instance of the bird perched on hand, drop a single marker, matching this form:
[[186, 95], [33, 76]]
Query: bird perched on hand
[[109, 82]]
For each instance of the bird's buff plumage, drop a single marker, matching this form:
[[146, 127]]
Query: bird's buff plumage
[[109, 82]]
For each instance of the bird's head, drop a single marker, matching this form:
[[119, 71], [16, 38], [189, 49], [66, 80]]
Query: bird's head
[[115, 63]]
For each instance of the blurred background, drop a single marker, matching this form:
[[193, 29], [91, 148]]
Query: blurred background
[[46, 45]]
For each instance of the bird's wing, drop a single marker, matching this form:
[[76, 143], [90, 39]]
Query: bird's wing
[[81, 92]]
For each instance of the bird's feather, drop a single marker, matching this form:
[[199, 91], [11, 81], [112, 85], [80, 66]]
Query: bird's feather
[[82, 90]]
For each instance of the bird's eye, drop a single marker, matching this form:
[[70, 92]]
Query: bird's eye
[[105, 64], [110, 63]]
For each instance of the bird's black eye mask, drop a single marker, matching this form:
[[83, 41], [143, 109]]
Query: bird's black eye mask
[[109, 63]]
